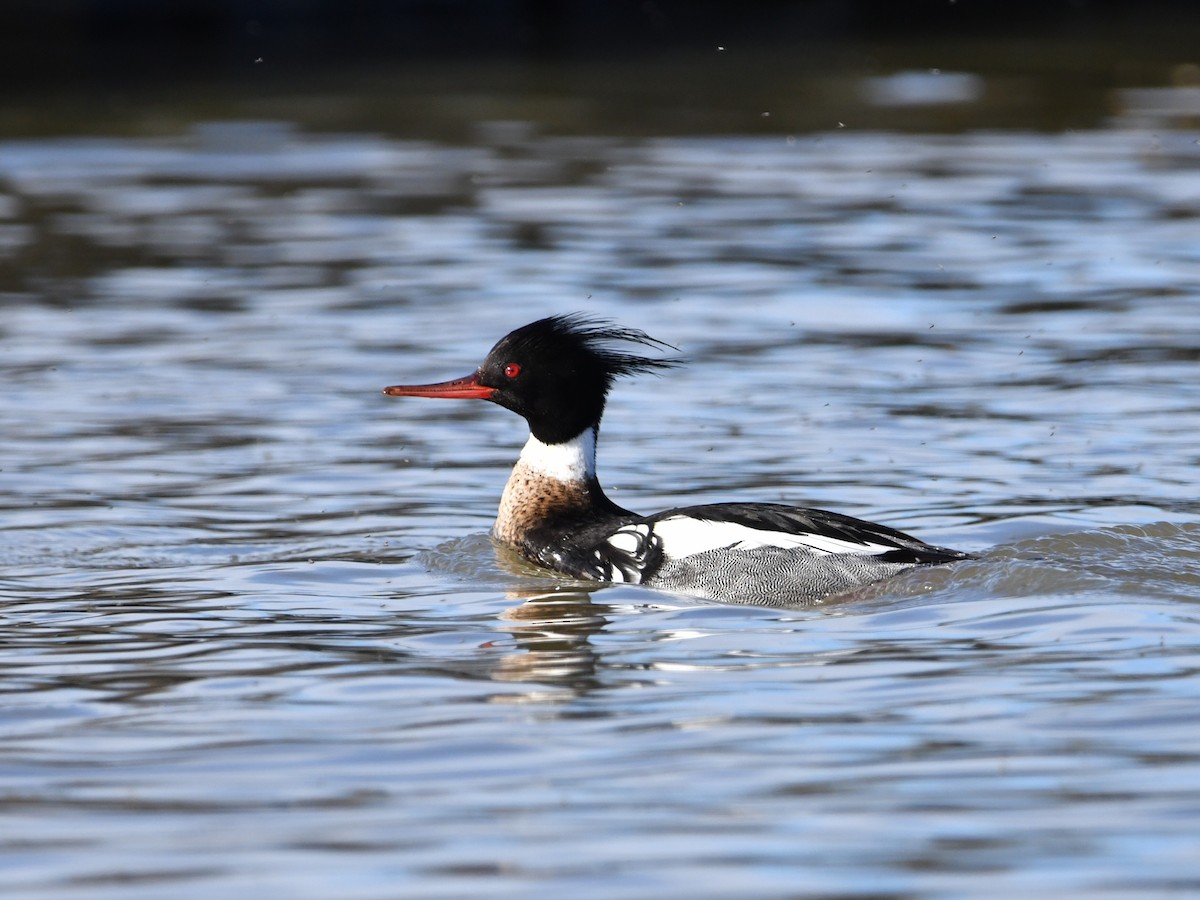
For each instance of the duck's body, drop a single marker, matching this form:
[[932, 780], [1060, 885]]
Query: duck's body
[[556, 373]]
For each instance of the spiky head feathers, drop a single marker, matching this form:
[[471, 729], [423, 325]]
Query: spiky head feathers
[[557, 371]]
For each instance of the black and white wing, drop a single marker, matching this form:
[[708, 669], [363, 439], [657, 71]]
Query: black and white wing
[[758, 552], [698, 529]]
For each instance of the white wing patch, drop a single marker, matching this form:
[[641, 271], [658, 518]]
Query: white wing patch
[[631, 546], [683, 536], [629, 539]]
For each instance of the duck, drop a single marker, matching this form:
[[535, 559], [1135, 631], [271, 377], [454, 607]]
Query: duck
[[556, 373]]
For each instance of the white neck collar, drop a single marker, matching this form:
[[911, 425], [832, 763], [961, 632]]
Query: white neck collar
[[571, 461]]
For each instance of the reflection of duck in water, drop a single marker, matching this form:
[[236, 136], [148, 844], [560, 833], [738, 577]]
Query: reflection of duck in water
[[554, 629], [556, 373]]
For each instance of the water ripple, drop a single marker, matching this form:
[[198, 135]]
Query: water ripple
[[256, 635]]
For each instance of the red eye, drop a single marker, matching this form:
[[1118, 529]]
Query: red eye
[[512, 370]]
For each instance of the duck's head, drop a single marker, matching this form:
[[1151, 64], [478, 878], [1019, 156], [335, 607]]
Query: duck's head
[[555, 372]]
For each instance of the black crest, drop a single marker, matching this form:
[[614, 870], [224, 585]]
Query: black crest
[[557, 371]]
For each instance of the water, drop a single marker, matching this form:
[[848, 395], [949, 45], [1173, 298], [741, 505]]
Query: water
[[257, 642]]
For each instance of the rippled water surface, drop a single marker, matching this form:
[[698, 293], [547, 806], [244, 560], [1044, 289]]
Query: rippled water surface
[[255, 638]]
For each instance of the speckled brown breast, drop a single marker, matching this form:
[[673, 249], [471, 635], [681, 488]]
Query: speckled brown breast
[[531, 499]]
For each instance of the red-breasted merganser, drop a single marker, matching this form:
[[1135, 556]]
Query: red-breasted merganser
[[556, 373]]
